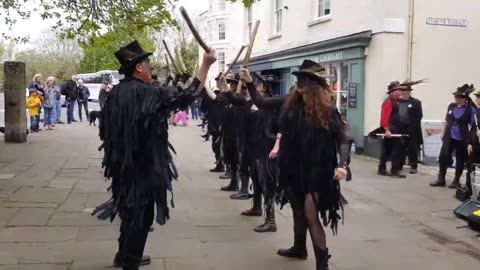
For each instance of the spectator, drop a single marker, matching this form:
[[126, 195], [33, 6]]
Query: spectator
[[104, 92], [194, 109], [70, 91], [37, 84], [57, 108], [34, 104], [181, 118], [49, 103], [83, 95]]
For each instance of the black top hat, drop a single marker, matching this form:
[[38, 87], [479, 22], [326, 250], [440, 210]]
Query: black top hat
[[130, 55], [464, 90], [267, 81], [313, 70]]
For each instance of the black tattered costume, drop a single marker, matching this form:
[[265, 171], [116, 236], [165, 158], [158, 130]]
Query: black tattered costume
[[134, 131]]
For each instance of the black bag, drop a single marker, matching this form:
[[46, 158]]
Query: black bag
[[462, 193], [474, 222]]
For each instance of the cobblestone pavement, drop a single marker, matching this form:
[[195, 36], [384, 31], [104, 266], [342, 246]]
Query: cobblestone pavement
[[49, 185]]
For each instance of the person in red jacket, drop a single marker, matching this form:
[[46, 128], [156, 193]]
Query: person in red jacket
[[391, 147]]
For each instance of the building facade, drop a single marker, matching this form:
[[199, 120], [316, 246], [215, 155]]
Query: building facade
[[217, 27], [366, 44]]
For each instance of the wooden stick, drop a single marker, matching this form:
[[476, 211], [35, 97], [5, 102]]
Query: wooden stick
[[250, 47], [235, 60], [180, 62], [171, 57], [194, 31]]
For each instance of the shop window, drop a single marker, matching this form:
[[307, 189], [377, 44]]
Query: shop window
[[277, 16], [323, 7], [221, 29], [221, 60]]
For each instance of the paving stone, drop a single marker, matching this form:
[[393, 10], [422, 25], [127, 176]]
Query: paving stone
[[35, 267], [6, 214], [100, 233], [95, 200], [31, 217], [91, 187], [187, 263], [78, 219], [37, 234], [6, 176], [28, 194], [74, 203], [29, 205], [62, 183], [48, 253]]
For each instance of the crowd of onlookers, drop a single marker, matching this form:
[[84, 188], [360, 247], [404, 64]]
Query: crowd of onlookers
[[45, 105]]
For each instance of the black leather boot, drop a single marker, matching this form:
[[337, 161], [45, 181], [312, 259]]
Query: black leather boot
[[228, 173], [219, 167], [131, 255], [256, 210], [299, 249], [243, 193], [382, 170], [321, 258], [270, 225], [440, 182], [397, 174], [455, 183], [233, 186]]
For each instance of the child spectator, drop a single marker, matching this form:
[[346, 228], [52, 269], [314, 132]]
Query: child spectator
[[34, 104]]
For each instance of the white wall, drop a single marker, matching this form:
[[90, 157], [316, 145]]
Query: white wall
[[447, 56]]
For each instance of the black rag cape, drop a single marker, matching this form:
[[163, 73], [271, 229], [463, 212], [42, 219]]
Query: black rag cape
[[134, 131], [308, 158]]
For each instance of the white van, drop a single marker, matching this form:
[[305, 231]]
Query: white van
[[93, 81]]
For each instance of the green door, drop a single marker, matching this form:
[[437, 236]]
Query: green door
[[356, 100]]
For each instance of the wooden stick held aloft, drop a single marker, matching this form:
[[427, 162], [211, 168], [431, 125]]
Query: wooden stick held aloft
[[180, 62], [171, 57], [194, 31], [246, 61], [235, 60]]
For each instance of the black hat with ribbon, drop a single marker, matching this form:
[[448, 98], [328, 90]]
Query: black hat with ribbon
[[130, 55], [464, 91], [393, 86], [313, 70]]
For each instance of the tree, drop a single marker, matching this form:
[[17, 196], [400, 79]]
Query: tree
[[189, 52], [52, 56], [99, 51], [87, 18]]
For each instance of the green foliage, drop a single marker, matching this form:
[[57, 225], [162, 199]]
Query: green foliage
[[82, 19], [52, 56], [189, 52], [99, 51], [246, 3]]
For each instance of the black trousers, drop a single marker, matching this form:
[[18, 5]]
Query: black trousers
[[217, 145], [248, 169], [267, 171], [131, 242], [412, 147], [445, 159], [392, 149]]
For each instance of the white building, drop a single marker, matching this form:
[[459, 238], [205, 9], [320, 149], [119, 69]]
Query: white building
[[218, 27], [366, 44]]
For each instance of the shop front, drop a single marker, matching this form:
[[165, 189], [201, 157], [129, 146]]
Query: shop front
[[344, 62]]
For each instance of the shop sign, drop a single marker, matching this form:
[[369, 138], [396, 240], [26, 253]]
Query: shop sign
[[328, 57], [352, 95], [447, 22]]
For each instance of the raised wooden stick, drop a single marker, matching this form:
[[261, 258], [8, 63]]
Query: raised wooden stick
[[235, 60], [194, 31], [180, 62], [171, 57], [246, 61]]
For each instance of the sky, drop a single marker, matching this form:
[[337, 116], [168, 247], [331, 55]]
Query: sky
[[35, 26]]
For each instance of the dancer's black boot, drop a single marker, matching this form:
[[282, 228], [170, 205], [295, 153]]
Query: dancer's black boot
[[233, 186], [130, 256], [299, 249], [321, 258], [256, 210], [440, 182], [269, 225], [228, 173], [243, 193], [219, 167], [455, 183]]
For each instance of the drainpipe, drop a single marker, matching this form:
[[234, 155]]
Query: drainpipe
[[411, 14]]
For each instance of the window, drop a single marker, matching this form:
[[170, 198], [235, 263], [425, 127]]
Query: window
[[250, 20], [221, 60], [277, 15], [221, 29], [221, 5], [210, 4], [323, 7]]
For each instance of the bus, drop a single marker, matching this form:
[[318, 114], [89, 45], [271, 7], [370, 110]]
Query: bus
[[93, 81]]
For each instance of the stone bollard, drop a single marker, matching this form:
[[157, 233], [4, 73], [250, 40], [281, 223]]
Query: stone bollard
[[15, 102]]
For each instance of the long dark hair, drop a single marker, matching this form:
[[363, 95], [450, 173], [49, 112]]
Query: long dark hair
[[316, 98]]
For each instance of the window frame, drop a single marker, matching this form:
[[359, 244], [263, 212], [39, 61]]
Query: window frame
[[224, 5], [321, 8], [221, 68], [277, 17], [218, 23]]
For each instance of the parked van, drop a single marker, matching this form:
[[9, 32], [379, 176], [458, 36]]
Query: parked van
[[94, 81]]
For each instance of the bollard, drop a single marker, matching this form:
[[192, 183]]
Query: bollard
[[15, 102]]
